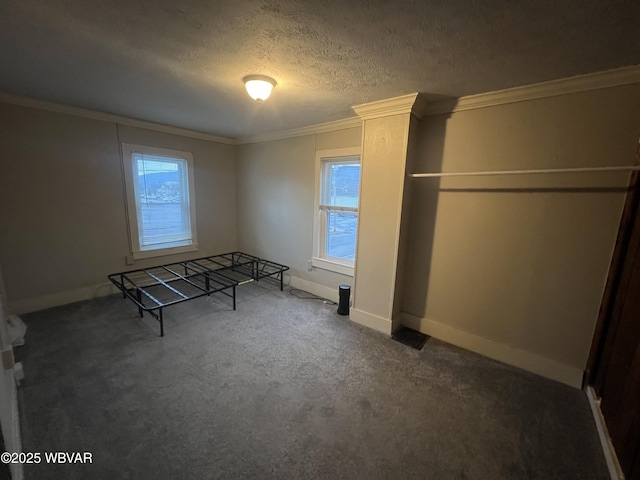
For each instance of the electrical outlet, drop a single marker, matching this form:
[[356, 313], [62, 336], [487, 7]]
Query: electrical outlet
[[309, 265], [128, 259]]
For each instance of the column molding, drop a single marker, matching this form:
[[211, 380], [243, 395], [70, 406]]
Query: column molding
[[413, 103]]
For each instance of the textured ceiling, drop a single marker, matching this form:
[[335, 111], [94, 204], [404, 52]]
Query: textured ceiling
[[181, 62]]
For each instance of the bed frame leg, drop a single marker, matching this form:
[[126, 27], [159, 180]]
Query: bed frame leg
[[281, 281], [139, 298], [161, 323], [234, 297]]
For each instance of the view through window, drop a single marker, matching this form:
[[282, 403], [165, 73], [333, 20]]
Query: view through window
[[160, 194], [339, 194]]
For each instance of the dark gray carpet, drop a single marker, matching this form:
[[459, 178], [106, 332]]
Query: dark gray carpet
[[284, 388]]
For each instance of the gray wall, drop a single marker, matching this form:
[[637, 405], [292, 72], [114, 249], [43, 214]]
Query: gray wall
[[276, 182], [519, 263], [62, 205]]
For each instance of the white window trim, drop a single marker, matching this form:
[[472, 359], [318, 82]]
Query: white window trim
[[128, 149], [337, 265]]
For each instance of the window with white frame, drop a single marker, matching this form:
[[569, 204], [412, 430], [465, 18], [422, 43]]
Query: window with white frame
[[336, 221], [160, 200]]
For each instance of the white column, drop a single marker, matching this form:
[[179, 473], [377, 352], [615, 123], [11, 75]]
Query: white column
[[384, 202]]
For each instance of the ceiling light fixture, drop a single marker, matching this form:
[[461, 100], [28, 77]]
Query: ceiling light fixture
[[259, 86]]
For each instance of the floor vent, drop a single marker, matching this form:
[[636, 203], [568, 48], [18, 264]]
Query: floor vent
[[410, 338]]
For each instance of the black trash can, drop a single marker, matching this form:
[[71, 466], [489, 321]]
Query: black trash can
[[344, 292]]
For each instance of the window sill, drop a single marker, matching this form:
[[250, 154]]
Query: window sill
[[324, 264], [161, 252]]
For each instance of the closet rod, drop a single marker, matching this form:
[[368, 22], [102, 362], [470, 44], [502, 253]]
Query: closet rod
[[527, 172]]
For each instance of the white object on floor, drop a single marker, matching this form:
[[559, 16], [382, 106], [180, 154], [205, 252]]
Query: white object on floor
[[16, 330]]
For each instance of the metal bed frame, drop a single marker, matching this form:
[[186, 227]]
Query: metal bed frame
[[154, 288]]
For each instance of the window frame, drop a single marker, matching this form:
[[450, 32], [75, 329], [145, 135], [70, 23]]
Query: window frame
[[319, 258], [132, 207]]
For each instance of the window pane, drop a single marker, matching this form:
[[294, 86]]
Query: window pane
[[341, 184], [162, 199], [340, 239]]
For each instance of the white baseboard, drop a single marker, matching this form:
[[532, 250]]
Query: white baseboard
[[370, 320], [510, 355], [315, 288], [358, 316], [396, 323], [103, 289], [615, 471], [513, 356], [61, 298]]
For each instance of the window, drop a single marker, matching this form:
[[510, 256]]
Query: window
[[160, 200], [336, 222]]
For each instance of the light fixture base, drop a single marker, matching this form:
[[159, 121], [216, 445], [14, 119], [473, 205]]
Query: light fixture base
[[259, 87]]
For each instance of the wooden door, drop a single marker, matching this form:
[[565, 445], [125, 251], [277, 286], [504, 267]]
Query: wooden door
[[616, 375], [620, 390], [614, 363]]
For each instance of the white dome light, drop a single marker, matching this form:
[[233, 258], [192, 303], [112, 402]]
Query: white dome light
[[259, 86]]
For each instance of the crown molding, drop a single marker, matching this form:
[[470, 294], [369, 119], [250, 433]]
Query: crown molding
[[345, 123], [413, 103], [109, 117], [553, 88]]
